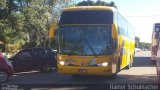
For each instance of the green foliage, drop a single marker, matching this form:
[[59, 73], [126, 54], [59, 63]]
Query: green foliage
[[2, 4], [26, 22], [144, 45], [98, 3], [137, 39]]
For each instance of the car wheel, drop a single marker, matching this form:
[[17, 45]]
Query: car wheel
[[3, 76], [46, 67]]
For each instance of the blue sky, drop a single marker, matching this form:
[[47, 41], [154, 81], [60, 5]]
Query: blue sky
[[142, 14]]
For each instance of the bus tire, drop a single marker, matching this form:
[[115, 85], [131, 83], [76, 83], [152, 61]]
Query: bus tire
[[130, 65]]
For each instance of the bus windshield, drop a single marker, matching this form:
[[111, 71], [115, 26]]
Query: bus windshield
[[85, 40], [86, 17]]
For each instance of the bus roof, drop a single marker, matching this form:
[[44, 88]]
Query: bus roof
[[76, 8]]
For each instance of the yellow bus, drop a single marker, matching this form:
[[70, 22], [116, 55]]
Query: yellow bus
[[94, 40]]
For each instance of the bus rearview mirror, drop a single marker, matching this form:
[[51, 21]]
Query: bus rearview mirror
[[52, 31]]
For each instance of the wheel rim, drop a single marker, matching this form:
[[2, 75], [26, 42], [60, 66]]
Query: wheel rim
[[3, 76], [46, 67]]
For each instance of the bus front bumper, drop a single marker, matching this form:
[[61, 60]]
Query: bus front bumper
[[107, 71]]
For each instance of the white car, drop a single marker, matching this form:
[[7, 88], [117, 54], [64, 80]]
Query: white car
[[137, 49]]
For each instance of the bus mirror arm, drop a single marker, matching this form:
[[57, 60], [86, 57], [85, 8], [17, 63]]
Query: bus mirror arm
[[53, 30]]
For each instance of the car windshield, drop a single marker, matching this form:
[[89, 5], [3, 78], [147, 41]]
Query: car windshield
[[85, 40]]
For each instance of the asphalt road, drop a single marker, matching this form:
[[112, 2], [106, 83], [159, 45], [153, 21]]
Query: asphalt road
[[142, 72]]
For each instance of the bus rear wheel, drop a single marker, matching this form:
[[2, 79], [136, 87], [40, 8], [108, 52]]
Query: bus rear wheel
[[129, 66], [130, 63]]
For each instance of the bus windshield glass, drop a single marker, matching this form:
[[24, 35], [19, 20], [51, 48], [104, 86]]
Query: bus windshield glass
[[85, 40], [87, 17]]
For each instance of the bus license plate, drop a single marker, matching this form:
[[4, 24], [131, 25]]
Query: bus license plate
[[82, 70]]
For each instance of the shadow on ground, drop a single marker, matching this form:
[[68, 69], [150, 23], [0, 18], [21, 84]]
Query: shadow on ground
[[93, 83], [143, 62]]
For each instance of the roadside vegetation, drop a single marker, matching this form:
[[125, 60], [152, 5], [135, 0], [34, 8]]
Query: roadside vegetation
[[142, 45], [26, 23]]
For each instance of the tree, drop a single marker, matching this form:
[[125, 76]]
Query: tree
[[137, 40], [98, 3], [39, 17], [28, 21], [144, 45], [11, 23]]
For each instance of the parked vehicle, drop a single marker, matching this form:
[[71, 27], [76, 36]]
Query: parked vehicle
[[6, 69], [34, 58], [137, 50]]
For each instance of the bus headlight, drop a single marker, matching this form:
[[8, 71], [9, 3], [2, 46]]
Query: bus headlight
[[63, 63], [103, 64]]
